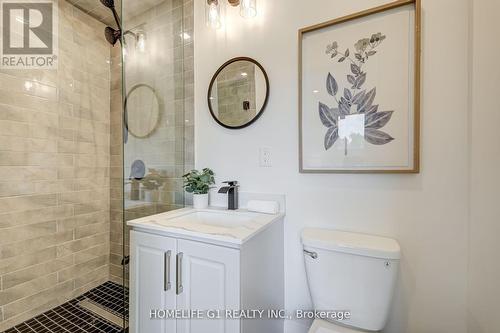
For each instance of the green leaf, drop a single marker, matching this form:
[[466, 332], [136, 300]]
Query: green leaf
[[199, 183]]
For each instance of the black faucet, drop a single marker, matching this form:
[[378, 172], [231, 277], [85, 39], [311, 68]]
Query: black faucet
[[232, 194]]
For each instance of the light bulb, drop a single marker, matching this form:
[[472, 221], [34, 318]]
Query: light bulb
[[141, 42], [213, 14], [248, 8]]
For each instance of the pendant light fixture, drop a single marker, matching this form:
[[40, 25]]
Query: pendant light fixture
[[212, 11], [248, 9]]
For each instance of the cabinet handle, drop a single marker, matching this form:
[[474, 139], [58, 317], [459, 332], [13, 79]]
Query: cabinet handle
[[179, 286], [166, 271]]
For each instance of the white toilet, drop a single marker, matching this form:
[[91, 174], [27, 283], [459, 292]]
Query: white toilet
[[350, 272]]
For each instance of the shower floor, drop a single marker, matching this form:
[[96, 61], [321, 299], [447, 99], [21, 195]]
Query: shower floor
[[71, 317]]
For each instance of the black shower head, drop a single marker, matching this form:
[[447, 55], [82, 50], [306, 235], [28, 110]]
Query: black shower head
[[112, 35], [108, 3]]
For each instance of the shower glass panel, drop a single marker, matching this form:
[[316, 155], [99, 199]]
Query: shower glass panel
[[102, 139], [156, 130]]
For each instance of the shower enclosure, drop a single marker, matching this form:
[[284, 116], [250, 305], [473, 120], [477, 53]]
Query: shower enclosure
[[100, 140]]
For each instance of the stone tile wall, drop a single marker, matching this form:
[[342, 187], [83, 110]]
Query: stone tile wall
[[55, 185]]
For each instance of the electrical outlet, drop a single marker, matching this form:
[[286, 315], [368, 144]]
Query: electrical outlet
[[265, 157]]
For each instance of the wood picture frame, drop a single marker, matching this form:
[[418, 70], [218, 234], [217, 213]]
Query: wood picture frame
[[375, 142]]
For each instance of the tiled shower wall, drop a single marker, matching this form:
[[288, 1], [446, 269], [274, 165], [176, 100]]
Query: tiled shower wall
[[167, 66], [54, 162]]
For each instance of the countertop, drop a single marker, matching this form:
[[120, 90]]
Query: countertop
[[183, 223]]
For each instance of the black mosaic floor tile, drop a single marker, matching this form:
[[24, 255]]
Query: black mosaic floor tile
[[71, 318]]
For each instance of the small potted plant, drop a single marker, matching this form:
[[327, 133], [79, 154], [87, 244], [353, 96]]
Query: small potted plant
[[198, 183], [151, 184]]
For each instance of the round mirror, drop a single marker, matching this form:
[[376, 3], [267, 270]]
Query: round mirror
[[238, 93], [142, 111]]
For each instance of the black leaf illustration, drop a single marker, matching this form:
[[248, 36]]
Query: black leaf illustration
[[378, 120], [331, 85], [344, 107], [355, 69], [372, 109], [374, 120], [331, 136], [367, 101], [360, 81], [376, 137], [358, 97], [328, 116], [347, 94]]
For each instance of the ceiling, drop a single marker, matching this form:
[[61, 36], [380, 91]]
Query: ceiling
[[131, 8]]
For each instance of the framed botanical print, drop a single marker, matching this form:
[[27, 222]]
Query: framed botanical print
[[359, 92]]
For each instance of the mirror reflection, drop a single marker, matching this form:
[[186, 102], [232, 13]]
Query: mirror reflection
[[238, 93], [142, 108]]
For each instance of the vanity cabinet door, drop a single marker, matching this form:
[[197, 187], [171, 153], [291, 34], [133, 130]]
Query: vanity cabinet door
[[208, 280], [152, 282]]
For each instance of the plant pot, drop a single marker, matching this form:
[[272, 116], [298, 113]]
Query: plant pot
[[200, 201], [151, 195]]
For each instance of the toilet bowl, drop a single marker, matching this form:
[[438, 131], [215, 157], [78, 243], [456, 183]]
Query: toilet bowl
[[350, 272]]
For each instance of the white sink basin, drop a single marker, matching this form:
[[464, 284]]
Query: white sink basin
[[216, 219], [217, 226]]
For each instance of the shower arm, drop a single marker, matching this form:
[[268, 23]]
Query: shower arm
[[129, 32], [117, 19]]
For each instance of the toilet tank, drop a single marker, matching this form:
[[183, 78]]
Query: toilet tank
[[351, 272]]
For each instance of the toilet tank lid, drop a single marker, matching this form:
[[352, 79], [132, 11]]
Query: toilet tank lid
[[352, 243]]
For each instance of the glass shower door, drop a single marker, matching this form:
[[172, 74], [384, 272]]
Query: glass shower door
[[156, 132]]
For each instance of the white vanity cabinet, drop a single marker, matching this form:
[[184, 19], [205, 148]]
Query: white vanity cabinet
[[173, 272], [151, 280]]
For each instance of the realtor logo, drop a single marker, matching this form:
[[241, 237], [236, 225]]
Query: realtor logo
[[29, 34]]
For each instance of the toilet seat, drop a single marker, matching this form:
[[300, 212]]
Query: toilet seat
[[323, 326]]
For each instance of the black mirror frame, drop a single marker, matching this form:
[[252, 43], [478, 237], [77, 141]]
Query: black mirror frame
[[214, 78]]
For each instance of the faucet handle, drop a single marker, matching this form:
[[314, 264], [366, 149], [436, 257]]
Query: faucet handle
[[232, 183]]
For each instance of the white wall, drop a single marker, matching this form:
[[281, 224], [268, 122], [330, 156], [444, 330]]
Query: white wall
[[427, 213], [484, 266]]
